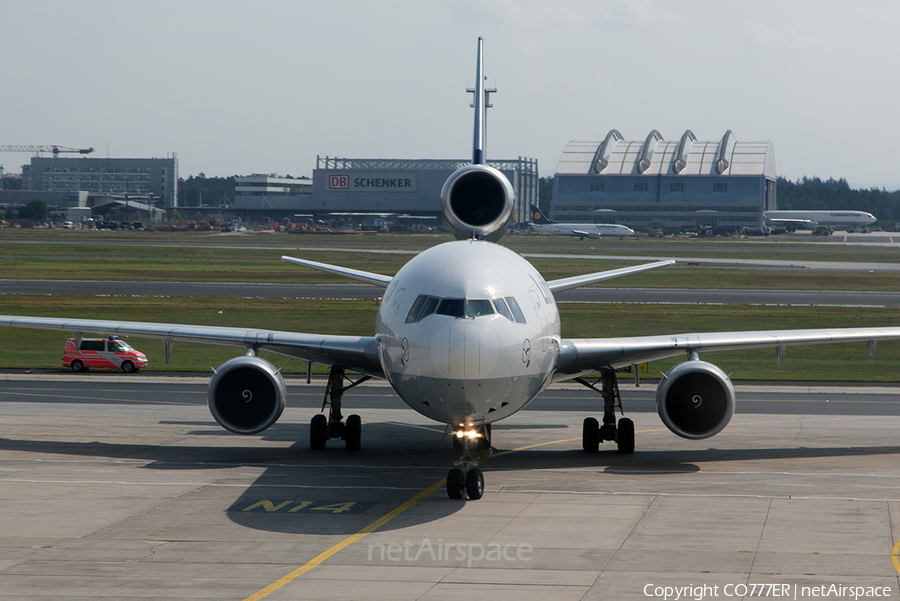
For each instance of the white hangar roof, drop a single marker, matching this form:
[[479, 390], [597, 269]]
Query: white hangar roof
[[656, 156]]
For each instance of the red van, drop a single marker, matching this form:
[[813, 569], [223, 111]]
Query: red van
[[108, 353]]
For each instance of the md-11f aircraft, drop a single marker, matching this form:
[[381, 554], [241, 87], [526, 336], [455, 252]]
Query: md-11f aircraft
[[542, 224], [468, 333]]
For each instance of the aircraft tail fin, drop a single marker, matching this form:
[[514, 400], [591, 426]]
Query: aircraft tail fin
[[537, 216], [480, 108]]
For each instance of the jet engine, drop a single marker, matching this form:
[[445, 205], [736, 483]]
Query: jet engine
[[695, 400], [246, 395], [477, 202]]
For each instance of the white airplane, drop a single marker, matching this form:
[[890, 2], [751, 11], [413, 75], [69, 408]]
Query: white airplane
[[813, 219], [543, 225], [468, 333]]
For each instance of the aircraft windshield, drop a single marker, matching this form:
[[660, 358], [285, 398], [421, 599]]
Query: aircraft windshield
[[425, 305]]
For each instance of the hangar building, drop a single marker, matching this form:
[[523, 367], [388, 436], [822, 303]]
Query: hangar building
[[672, 185]]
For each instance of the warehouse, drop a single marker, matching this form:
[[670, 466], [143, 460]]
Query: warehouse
[[655, 184], [406, 187]]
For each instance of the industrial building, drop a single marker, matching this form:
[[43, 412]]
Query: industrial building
[[150, 181], [670, 185], [395, 193]]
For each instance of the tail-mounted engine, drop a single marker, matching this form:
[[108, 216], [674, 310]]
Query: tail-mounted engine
[[246, 395], [477, 202], [695, 400]]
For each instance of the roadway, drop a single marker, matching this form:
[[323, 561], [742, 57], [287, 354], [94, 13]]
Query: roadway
[[360, 291], [124, 487]]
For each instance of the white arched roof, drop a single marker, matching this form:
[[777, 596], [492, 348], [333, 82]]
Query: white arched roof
[[655, 156]]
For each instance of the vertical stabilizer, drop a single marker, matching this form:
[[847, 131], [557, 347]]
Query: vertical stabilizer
[[478, 145]]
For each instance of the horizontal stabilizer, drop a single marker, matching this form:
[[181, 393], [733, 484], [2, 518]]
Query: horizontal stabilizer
[[353, 274], [594, 278]]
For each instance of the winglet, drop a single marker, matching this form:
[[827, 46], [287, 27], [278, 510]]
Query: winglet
[[478, 144]]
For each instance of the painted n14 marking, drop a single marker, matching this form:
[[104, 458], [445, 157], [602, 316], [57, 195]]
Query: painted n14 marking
[[300, 506]]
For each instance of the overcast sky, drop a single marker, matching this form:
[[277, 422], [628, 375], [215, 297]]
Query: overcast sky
[[266, 86]]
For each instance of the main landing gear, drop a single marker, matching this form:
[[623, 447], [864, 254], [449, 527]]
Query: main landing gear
[[467, 479], [321, 428], [592, 432]]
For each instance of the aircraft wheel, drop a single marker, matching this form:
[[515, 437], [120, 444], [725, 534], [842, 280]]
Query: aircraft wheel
[[318, 432], [353, 433], [77, 366], [625, 436], [455, 485], [590, 435], [475, 483], [128, 367]]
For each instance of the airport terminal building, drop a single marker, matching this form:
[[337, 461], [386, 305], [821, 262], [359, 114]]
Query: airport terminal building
[[670, 185]]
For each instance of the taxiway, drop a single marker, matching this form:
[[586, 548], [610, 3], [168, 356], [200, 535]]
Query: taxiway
[[124, 487]]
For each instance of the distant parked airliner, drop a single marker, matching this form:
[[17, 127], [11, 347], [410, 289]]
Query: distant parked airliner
[[542, 224], [814, 219]]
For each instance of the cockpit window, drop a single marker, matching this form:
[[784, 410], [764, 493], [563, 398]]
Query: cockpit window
[[454, 307], [503, 309], [413, 315], [476, 307], [425, 305], [516, 311]]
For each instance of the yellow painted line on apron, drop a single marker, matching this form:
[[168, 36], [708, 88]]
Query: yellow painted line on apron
[[438, 485], [894, 555], [346, 542]]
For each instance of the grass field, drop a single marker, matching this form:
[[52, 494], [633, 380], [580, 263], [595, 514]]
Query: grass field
[[204, 257], [42, 254]]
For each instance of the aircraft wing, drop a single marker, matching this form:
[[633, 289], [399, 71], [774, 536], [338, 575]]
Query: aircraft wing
[[602, 276], [581, 355], [352, 274], [356, 353]]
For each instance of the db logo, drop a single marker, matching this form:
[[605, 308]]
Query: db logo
[[338, 182]]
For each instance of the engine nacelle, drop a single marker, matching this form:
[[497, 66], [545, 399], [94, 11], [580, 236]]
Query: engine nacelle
[[246, 395], [477, 202], [695, 400]]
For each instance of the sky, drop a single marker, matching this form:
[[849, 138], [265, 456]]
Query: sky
[[235, 88]]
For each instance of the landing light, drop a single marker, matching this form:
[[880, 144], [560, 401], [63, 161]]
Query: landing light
[[467, 434]]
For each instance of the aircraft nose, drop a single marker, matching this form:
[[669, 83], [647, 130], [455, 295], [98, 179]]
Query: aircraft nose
[[465, 349]]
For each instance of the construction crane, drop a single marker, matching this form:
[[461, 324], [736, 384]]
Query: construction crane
[[55, 149]]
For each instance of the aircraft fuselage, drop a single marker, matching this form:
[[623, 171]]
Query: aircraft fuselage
[[468, 333]]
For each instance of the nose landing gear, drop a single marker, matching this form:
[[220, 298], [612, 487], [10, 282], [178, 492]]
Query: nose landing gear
[[467, 479]]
